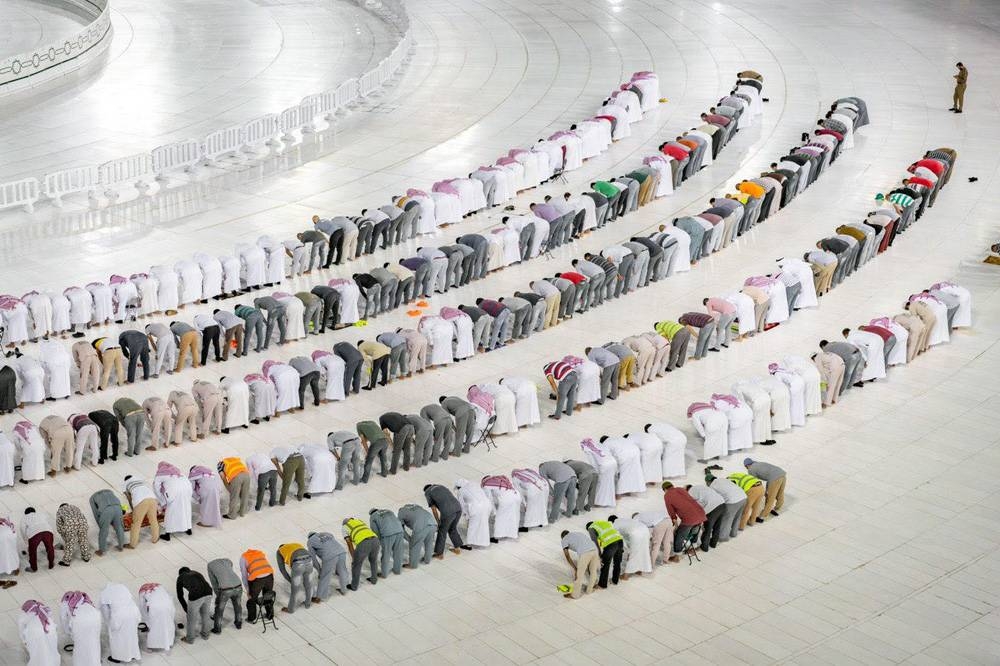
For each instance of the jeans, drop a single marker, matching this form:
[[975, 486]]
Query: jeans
[[233, 595], [300, 578], [199, 613], [267, 482]]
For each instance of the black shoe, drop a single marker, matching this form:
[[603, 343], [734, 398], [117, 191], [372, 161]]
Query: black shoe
[[466, 547], [953, 109], [522, 529], [188, 532], [492, 540], [225, 431], [773, 512], [218, 631], [164, 537], [758, 520]]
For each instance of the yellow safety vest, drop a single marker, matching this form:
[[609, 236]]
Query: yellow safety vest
[[606, 533], [744, 481], [288, 550], [358, 531]]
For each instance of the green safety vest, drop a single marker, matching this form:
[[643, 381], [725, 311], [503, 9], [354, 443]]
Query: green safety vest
[[606, 533], [744, 481], [668, 329]]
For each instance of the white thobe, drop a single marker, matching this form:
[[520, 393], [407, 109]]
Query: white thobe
[[746, 319], [349, 296], [682, 255], [713, 426], [15, 320], [295, 310], [264, 398], [506, 511], [477, 508], [807, 283], [650, 455], [84, 629], [157, 610], [963, 316], [253, 262], [121, 616], [231, 267], [898, 354], [40, 308], [10, 559], [661, 164], [607, 471], [810, 376], [81, 305], [32, 450], [32, 379], [740, 419], [149, 297], [211, 274], [940, 332], [781, 402], [61, 309], [637, 538], [439, 332], [626, 454], [526, 393], [274, 272], [504, 407], [104, 307], [42, 645], [174, 494], [589, 377], [759, 400], [168, 288], [286, 385], [237, 397], [464, 345], [322, 468], [190, 283], [535, 500], [797, 395], [333, 369], [650, 88], [777, 309], [674, 447], [872, 348], [121, 294], [57, 363], [427, 222], [447, 207]]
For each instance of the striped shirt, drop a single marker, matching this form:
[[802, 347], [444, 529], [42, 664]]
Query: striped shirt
[[901, 199], [696, 319], [557, 370]]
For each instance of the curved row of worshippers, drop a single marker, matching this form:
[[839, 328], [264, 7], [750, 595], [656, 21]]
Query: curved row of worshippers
[[758, 407], [291, 316], [499, 507], [855, 243], [455, 334], [269, 261]]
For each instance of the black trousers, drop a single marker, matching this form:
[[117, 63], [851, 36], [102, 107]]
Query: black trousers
[[257, 587], [133, 360], [311, 380], [352, 374], [331, 310], [448, 529], [108, 433], [380, 229], [336, 245], [713, 525], [611, 556], [380, 366], [211, 335]]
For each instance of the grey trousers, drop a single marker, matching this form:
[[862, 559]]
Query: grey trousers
[[388, 301], [404, 291], [792, 294], [538, 316], [423, 443], [392, 553], [232, 595], [704, 338], [108, 518], [444, 439], [730, 526], [199, 614], [586, 493], [373, 301], [567, 301], [609, 382], [301, 579], [724, 328], [421, 546], [399, 360], [522, 323], [481, 329], [366, 550], [329, 566], [465, 431], [678, 349], [313, 313], [134, 426], [402, 446], [255, 328], [267, 482], [566, 397], [564, 490], [282, 323], [350, 457]]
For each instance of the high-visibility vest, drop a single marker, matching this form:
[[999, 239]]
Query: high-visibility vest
[[231, 467], [257, 566], [744, 481], [358, 530], [286, 551], [606, 533]]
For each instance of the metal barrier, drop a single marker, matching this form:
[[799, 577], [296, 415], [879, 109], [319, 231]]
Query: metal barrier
[[183, 155], [19, 193], [123, 170], [260, 131], [222, 142], [69, 181]]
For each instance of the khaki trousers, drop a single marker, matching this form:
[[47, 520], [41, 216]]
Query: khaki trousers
[[662, 540], [234, 333], [160, 423], [190, 342], [760, 313], [588, 563], [145, 510], [754, 505], [774, 496], [626, 372], [90, 374], [186, 416], [112, 359], [211, 410], [62, 442], [958, 97], [552, 304]]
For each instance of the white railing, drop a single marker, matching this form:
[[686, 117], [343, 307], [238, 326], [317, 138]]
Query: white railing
[[21, 67], [71, 181], [19, 193], [186, 155]]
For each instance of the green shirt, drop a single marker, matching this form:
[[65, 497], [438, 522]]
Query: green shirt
[[605, 188], [668, 329], [370, 431]]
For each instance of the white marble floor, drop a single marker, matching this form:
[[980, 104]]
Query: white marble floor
[[888, 548], [26, 24]]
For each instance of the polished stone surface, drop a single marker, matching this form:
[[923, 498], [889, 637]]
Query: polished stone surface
[[887, 550]]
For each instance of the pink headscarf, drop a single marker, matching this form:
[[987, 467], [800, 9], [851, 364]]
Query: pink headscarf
[[146, 588], [452, 313], [644, 75], [884, 322], [24, 428], [266, 368], [39, 610], [444, 187], [759, 281], [506, 161], [561, 133], [514, 152], [497, 481], [943, 285], [530, 476], [697, 407], [480, 397], [200, 472], [573, 361], [653, 158], [416, 193], [166, 469], [281, 294], [337, 282], [8, 302], [117, 279], [488, 168], [589, 445], [74, 599], [726, 397], [255, 377], [923, 296], [6, 523], [320, 353]]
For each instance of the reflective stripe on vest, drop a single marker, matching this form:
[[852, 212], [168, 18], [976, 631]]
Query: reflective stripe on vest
[[744, 481], [606, 533], [231, 467], [257, 566], [359, 531]]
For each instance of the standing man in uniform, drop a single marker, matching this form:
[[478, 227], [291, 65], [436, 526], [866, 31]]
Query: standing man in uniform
[[958, 97]]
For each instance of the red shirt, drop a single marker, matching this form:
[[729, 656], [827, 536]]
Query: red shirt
[[716, 119], [836, 135], [932, 165], [917, 180], [883, 333], [681, 505], [575, 278], [675, 152], [557, 370]]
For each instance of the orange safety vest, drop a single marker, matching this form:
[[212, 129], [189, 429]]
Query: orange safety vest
[[231, 467], [257, 565]]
